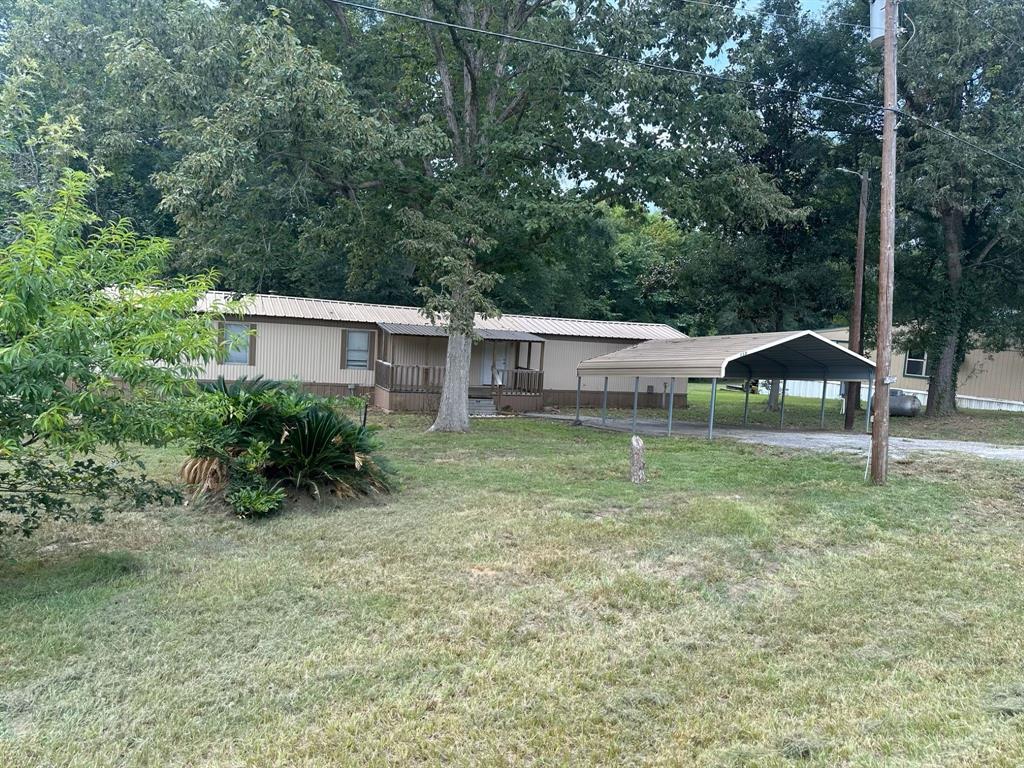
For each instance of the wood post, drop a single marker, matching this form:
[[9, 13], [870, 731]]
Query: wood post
[[671, 401], [883, 356], [856, 314], [637, 465], [868, 408], [711, 411], [636, 398], [782, 404]]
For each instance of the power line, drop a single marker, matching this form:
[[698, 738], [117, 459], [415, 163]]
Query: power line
[[950, 135], [674, 70], [753, 11], [605, 56], [988, 24]]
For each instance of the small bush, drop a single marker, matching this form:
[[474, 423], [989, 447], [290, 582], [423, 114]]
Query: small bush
[[262, 434], [256, 500]]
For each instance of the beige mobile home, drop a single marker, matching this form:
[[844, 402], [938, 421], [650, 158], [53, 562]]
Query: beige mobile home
[[987, 381], [395, 354]]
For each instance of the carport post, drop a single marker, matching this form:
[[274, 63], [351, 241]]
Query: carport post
[[671, 401], [636, 397], [711, 413], [746, 400], [604, 403], [782, 406], [824, 390], [579, 386], [867, 407]]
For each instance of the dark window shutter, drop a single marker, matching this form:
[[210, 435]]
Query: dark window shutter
[[371, 358], [252, 343], [344, 347]]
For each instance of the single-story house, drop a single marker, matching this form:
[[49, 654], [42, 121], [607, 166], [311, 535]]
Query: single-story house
[[395, 355], [987, 381]]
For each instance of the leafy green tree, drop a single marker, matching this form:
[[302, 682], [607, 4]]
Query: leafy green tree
[[534, 132], [959, 268], [447, 244], [793, 271], [269, 185], [97, 356]]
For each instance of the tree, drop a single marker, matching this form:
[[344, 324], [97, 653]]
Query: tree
[[96, 355], [959, 267], [533, 132], [447, 244], [793, 271], [268, 185]]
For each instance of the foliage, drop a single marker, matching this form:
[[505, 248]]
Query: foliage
[[280, 161], [34, 487], [325, 448], [250, 493], [959, 268], [255, 499], [265, 434], [96, 352]]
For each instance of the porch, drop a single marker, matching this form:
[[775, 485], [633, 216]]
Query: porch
[[506, 370]]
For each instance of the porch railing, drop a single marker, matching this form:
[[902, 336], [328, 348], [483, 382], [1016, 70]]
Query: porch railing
[[409, 378], [429, 378], [522, 381]]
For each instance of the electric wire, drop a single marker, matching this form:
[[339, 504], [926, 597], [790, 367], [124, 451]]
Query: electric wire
[[874, 108]]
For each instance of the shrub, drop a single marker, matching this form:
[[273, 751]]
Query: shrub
[[262, 434], [98, 355], [328, 449]]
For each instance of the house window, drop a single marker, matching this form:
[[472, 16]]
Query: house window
[[916, 365], [239, 343], [357, 349]]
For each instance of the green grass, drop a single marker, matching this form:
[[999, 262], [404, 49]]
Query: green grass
[[1005, 427], [520, 602]]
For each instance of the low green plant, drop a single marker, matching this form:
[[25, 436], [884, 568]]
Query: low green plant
[[328, 449], [267, 434], [258, 499], [249, 492]]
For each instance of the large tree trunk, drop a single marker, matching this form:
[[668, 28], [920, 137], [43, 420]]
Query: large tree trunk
[[773, 396], [453, 412], [942, 386]]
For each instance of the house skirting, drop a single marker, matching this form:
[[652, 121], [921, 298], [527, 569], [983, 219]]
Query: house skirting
[[325, 390], [590, 398], [423, 402]]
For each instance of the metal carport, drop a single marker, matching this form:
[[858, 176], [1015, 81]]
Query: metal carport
[[786, 355]]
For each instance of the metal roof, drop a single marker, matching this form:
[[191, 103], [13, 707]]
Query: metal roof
[[786, 355], [406, 329], [294, 307]]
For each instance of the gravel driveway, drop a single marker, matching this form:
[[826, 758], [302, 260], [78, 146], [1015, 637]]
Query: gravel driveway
[[825, 442]]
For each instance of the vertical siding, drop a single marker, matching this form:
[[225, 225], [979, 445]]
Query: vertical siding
[[987, 375], [561, 356], [312, 354], [995, 375], [418, 350], [285, 351]]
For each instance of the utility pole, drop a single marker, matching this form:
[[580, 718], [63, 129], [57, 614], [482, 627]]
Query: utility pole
[[883, 357], [856, 315]]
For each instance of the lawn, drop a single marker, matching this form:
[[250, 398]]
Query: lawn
[[1005, 427], [519, 602]]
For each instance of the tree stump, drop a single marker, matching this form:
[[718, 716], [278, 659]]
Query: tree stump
[[637, 466]]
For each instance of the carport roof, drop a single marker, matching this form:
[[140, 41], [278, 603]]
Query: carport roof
[[791, 355]]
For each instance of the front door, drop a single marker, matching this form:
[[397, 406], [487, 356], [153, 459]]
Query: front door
[[494, 362]]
